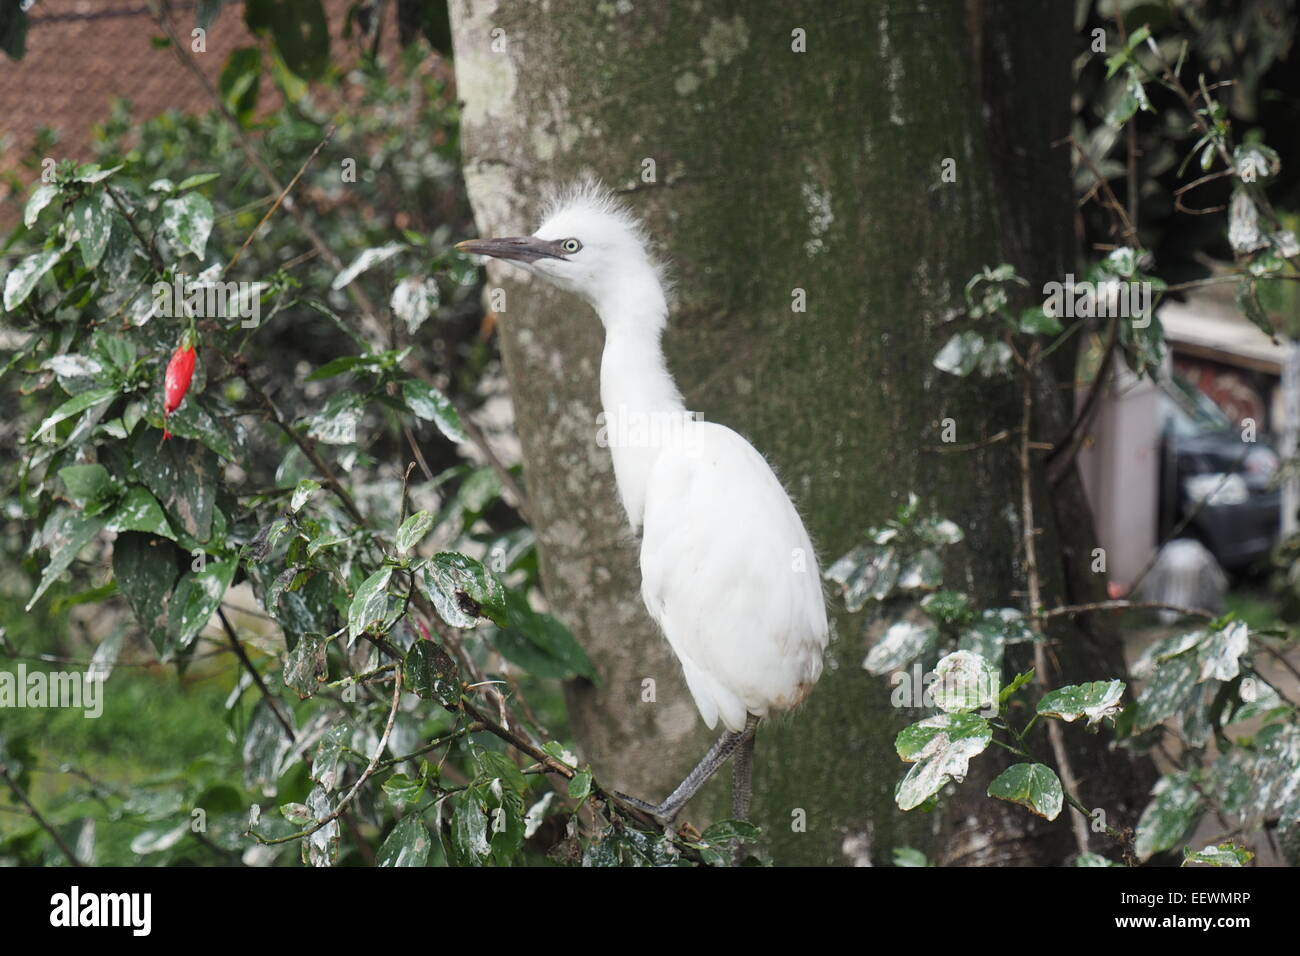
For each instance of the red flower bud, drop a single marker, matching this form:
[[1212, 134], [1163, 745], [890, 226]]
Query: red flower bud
[[180, 370]]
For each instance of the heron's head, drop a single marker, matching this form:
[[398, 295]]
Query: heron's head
[[588, 244]]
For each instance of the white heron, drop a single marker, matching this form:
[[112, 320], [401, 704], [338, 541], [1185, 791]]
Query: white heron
[[727, 569]]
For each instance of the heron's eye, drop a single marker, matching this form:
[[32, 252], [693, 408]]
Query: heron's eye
[[570, 246]]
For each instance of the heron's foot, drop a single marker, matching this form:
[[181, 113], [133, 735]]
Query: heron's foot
[[662, 814]]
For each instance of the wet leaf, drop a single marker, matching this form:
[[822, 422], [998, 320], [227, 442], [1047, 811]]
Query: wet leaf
[[1095, 700], [940, 749], [407, 845], [75, 406], [183, 476], [966, 682], [94, 223], [370, 604], [429, 404], [1032, 785], [1170, 814], [196, 599], [187, 222], [66, 533], [365, 261], [429, 672], [462, 590], [413, 301], [145, 569], [903, 643], [305, 666], [412, 531]]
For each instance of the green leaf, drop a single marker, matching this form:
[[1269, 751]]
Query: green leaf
[[329, 754], [198, 179], [90, 173], [1174, 808], [1037, 322], [42, 196], [412, 531], [66, 532], [336, 423], [462, 590], [365, 261], [1019, 681], [1248, 301], [140, 511], [430, 673], [494, 765], [370, 604], [183, 476], [947, 607], [469, 828], [145, 567], [1225, 854], [1093, 859], [76, 373], [540, 644], [187, 222], [13, 30], [1167, 691], [23, 277], [966, 681], [428, 403], [867, 573], [961, 355], [907, 856], [407, 845], [240, 79], [413, 301], [94, 223], [87, 483], [1095, 700], [192, 421], [75, 406], [403, 790], [940, 749], [301, 36], [305, 666], [302, 494], [903, 643], [1032, 785], [196, 599], [580, 785]]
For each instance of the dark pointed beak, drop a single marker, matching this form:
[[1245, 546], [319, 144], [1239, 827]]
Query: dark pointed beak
[[514, 248]]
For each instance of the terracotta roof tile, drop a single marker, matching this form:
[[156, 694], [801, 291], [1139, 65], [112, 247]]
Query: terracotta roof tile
[[82, 54]]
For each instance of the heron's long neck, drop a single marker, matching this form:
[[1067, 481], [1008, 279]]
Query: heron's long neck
[[637, 391]]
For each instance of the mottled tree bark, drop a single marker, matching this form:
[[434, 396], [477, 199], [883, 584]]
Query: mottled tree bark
[[780, 173]]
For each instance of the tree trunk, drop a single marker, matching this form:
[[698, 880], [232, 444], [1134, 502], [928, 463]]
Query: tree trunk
[[779, 175]]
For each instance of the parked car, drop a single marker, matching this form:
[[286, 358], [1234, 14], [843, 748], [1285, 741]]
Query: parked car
[[1214, 484]]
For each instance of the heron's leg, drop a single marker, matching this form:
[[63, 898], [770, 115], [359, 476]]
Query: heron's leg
[[742, 775], [724, 747]]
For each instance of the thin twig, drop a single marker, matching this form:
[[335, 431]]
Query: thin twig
[[329, 135], [271, 702], [36, 815], [1069, 781], [1106, 606]]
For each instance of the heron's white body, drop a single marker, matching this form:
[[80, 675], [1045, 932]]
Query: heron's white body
[[727, 569]]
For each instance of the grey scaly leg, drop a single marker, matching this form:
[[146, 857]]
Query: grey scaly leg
[[742, 774], [726, 745]]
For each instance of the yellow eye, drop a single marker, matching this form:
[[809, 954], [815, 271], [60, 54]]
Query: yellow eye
[[570, 246]]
